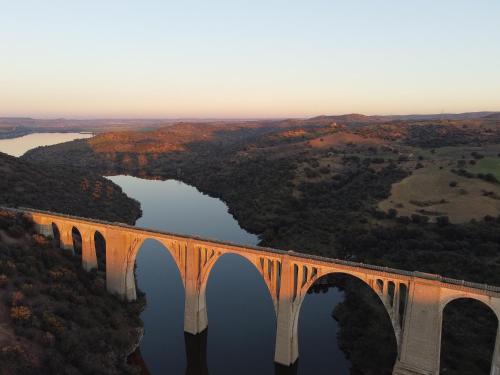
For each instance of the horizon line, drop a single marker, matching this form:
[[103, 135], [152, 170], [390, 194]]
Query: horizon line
[[222, 118]]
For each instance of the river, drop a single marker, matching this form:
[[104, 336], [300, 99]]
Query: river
[[241, 317]]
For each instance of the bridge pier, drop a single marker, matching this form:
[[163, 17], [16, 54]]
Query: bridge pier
[[66, 237], [287, 340], [421, 341], [120, 258], [495, 362], [89, 256], [44, 228], [195, 307]]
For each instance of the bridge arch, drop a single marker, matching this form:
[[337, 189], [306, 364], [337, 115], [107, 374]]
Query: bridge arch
[[485, 300], [261, 265], [235, 293], [464, 314], [56, 234], [99, 249], [77, 238], [370, 322], [379, 286], [173, 247]]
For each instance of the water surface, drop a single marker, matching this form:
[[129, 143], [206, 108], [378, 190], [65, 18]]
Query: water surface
[[18, 146], [241, 317]]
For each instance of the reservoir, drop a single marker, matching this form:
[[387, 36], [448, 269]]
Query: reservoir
[[241, 319], [18, 146]]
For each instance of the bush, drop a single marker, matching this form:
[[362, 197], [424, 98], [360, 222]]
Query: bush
[[392, 213], [20, 313]]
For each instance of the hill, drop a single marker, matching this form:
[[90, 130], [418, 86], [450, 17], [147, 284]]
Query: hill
[[63, 189], [56, 318]]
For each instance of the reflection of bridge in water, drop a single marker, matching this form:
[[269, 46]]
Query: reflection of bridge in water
[[414, 301]]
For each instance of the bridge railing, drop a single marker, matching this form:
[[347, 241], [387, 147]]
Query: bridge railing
[[388, 270]]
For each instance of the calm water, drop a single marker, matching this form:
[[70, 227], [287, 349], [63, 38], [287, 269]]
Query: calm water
[[18, 146], [241, 318]]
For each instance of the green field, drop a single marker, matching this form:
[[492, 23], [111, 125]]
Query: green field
[[487, 165]]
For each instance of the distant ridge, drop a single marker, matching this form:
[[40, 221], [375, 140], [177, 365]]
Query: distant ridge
[[356, 117]]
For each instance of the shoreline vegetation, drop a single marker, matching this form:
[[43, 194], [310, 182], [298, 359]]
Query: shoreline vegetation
[[55, 317], [316, 185]]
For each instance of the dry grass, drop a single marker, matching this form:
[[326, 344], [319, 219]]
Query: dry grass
[[429, 189], [342, 139]]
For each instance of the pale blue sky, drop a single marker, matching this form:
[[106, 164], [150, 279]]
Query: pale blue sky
[[247, 58]]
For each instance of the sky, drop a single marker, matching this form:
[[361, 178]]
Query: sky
[[247, 59]]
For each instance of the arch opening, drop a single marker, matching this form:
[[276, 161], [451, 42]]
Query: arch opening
[[241, 317], [469, 329], [391, 289], [403, 298], [156, 278], [77, 241], [57, 236], [342, 325], [100, 251]]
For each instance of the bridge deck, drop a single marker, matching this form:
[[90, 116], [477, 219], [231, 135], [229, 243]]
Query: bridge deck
[[332, 261]]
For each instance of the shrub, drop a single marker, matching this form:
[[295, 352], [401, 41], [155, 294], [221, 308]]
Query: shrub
[[20, 313], [392, 213], [52, 323]]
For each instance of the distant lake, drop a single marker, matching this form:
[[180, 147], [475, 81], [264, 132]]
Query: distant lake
[[18, 146]]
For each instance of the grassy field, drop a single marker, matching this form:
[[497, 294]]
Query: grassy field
[[428, 192], [487, 165]]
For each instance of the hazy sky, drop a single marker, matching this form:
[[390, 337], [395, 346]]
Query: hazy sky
[[255, 58]]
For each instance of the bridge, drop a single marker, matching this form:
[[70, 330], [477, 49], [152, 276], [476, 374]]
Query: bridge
[[414, 301]]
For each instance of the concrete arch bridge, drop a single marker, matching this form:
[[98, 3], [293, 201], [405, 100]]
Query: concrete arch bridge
[[414, 301]]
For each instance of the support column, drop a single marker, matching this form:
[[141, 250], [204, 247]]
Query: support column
[[66, 237], [385, 293], [120, 258], [421, 343], [195, 310], [89, 257], [395, 302], [42, 225], [45, 229], [495, 362], [287, 340]]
